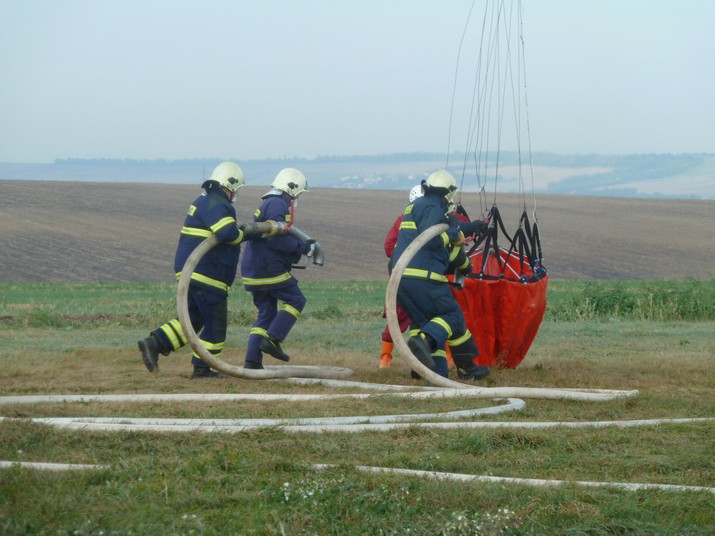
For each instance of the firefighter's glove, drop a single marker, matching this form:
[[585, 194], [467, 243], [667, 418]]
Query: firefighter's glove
[[459, 240], [308, 248], [471, 227], [479, 226]]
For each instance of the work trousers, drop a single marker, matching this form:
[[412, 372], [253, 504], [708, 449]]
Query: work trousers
[[434, 311], [274, 322], [208, 314]]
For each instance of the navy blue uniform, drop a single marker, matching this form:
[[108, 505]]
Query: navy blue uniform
[[211, 213], [424, 291], [266, 274]]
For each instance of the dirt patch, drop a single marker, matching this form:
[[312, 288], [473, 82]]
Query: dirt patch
[[77, 231]]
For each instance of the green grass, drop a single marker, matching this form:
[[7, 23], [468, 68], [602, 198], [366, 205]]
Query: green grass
[[262, 481], [62, 304]]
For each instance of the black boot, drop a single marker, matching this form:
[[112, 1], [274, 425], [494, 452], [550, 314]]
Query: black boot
[[150, 350], [205, 372], [420, 346], [473, 372], [272, 346]]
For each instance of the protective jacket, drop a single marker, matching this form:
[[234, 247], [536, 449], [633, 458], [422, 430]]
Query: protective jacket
[[432, 261], [211, 213], [391, 238], [267, 261]]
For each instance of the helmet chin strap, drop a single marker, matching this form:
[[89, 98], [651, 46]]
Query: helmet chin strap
[[293, 204]]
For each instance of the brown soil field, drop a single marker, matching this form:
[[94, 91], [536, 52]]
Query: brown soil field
[[79, 231]]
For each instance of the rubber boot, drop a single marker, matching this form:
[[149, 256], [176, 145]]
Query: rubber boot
[[421, 346], [450, 360], [386, 354], [150, 349], [202, 372], [272, 346]]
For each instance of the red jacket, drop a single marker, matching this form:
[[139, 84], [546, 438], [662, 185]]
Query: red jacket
[[391, 238]]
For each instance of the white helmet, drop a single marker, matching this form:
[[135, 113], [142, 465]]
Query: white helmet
[[441, 182], [228, 175], [415, 192], [290, 181]]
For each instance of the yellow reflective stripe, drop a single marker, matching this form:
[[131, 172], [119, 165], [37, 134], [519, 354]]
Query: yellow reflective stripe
[[416, 272], [266, 280], [290, 310], [439, 353], [408, 209], [464, 264], [238, 240], [453, 254], [460, 340], [258, 331], [408, 225], [257, 213], [171, 335], [223, 222], [413, 332], [208, 281], [424, 274], [441, 323], [178, 330], [213, 347], [445, 239], [195, 231]]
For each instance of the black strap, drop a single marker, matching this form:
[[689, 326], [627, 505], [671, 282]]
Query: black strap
[[525, 244]]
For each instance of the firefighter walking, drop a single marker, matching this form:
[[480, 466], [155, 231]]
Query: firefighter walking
[[424, 290], [212, 213], [266, 271]]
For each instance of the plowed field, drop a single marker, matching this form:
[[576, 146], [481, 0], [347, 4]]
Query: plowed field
[[78, 231]]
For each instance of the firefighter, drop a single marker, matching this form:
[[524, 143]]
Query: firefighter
[[210, 213], [266, 271], [424, 291]]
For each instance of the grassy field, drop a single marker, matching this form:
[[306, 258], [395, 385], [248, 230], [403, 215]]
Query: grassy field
[[80, 338]]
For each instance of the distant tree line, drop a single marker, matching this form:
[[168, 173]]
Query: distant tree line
[[642, 165]]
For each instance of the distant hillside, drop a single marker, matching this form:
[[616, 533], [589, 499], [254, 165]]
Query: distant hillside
[[82, 231], [682, 176]]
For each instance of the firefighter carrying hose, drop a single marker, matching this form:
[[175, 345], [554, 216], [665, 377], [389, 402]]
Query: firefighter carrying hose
[[424, 290], [210, 213], [266, 271]]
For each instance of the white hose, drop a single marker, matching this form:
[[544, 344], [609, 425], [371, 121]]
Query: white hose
[[524, 481], [46, 466]]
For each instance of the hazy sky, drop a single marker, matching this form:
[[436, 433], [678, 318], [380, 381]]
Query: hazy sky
[[270, 78]]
